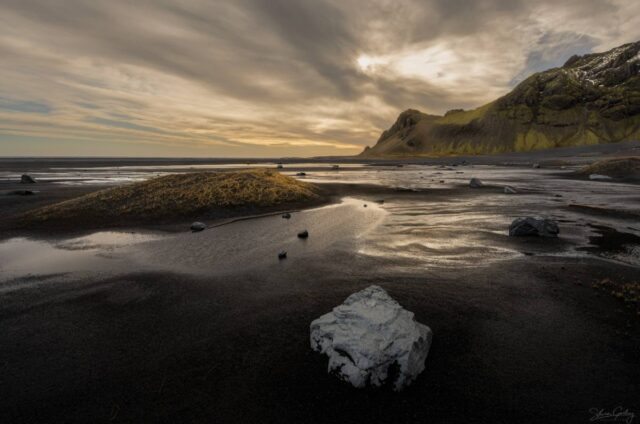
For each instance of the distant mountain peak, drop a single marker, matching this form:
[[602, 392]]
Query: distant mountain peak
[[610, 68], [593, 98]]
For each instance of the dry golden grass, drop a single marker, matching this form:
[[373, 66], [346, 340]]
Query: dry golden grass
[[180, 196], [618, 168], [628, 293]]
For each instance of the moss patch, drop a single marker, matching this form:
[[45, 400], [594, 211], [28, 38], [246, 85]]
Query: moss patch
[[627, 293]]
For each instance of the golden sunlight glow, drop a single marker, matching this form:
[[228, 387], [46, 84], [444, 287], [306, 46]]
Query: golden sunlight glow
[[368, 63]]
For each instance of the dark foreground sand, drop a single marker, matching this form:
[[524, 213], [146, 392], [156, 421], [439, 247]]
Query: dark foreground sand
[[521, 340], [515, 342]]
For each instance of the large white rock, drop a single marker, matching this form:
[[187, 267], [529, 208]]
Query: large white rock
[[371, 339]]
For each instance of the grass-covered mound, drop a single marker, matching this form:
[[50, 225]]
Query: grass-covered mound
[[178, 197], [616, 168]]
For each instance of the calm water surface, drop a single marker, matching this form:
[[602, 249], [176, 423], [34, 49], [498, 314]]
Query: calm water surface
[[429, 220]]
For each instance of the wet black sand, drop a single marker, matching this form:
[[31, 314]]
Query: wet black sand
[[523, 341]]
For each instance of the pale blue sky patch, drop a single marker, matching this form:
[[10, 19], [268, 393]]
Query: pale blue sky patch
[[552, 50], [24, 106]]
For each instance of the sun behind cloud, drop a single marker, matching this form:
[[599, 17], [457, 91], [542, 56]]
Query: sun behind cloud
[[256, 78]]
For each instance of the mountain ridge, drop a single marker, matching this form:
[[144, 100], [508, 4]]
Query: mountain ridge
[[591, 99]]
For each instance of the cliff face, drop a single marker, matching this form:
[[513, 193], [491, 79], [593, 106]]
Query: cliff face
[[591, 99]]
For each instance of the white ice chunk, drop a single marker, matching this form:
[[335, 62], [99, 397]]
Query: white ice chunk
[[597, 177], [371, 340]]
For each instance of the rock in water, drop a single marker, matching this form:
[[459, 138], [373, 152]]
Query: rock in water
[[371, 340], [27, 179], [533, 227], [598, 177], [198, 226], [510, 190], [475, 183]]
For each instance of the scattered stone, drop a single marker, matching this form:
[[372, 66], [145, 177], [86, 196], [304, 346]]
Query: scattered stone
[[282, 255], [557, 195], [380, 201], [625, 168], [279, 166], [198, 226], [510, 190], [301, 174], [27, 179], [529, 226], [21, 193], [475, 183], [286, 215], [371, 340], [536, 165], [598, 177], [365, 205], [335, 167], [303, 234]]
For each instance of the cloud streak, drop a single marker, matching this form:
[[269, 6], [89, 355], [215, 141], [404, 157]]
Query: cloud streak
[[269, 77]]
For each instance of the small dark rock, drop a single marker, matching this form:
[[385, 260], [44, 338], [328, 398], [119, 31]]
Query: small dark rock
[[286, 215], [301, 174], [27, 179], [510, 190], [21, 193], [536, 165], [282, 255], [198, 226], [475, 183], [303, 234], [529, 226]]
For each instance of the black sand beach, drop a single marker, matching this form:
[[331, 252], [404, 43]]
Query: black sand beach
[[212, 327]]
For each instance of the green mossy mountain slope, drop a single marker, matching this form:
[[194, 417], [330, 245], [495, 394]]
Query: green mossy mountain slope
[[592, 99]]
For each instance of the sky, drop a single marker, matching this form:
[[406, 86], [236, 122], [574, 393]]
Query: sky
[[269, 78]]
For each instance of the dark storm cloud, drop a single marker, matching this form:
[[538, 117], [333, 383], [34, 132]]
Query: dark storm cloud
[[331, 73]]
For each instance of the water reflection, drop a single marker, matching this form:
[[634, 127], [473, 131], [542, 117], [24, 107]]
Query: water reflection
[[432, 219], [93, 253]]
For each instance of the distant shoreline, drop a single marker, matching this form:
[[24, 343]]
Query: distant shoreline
[[580, 154]]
